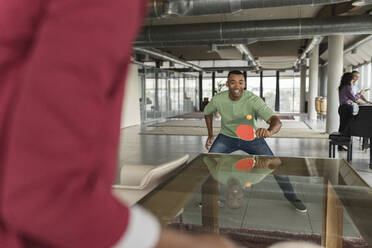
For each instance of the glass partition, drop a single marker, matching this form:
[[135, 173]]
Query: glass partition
[[166, 93]]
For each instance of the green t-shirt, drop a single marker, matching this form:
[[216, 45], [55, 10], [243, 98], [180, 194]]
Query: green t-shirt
[[234, 113]]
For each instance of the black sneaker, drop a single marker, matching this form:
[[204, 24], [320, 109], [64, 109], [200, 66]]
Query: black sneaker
[[299, 206]]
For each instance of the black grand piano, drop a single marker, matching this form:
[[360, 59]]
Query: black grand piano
[[361, 126]]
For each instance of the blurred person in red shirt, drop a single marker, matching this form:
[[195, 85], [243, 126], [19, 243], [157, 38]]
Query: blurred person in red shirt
[[62, 70]]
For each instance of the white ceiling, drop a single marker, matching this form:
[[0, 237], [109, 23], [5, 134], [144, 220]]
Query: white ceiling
[[360, 55]]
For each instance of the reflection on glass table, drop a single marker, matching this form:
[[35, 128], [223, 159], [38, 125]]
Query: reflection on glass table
[[241, 196]]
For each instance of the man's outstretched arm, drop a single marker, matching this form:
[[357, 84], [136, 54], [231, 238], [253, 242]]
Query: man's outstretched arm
[[275, 125], [209, 123]]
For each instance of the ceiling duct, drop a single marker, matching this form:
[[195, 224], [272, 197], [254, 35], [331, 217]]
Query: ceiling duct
[[245, 51], [168, 57], [314, 42], [242, 32], [212, 48], [169, 8]]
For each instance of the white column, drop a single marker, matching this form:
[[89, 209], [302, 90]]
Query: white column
[[303, 87], [313, 82], [131, 106], [323, 81], [335, 66]]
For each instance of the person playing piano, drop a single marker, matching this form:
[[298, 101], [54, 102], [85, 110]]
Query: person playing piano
[[348, 103]]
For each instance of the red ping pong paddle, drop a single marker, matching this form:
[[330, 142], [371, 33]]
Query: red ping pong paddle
[[245, 132], [245, 164]]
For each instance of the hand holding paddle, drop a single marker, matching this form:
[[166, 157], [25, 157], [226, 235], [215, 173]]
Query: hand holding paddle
[[268, 162], [247, 132], [263, 133]]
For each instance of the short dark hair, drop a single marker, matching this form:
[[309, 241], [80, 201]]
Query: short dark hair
[[235, 72], [355, 72]]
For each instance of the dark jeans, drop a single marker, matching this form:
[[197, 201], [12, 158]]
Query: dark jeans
[[346, 115], [258, 146]]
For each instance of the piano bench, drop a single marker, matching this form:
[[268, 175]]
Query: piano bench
[[337, 138]]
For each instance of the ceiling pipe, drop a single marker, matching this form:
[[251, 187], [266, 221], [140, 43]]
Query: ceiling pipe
[[168, 57], [240, 32], [314, 42], [171, 8], [207, 42], [245, 51], [231, 68]]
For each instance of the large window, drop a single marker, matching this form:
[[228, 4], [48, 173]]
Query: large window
[[289, 94], [289, 91], [149, 96], [163, 96], [220, 84], [253, 85], [207, 88], [364, 81], [190, 94], [269, 86], [174, 93]]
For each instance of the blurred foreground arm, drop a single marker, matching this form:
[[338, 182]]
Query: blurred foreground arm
[[171, 238]]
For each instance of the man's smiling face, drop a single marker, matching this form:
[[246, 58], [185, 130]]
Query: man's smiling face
[[236, 84]]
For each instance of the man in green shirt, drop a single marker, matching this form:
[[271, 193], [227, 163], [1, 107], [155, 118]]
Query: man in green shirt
[[239, 109]]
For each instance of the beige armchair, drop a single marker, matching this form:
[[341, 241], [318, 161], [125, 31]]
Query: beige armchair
[[136, 181]]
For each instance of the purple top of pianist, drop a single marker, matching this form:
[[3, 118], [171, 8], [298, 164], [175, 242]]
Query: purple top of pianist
[[346, 95]]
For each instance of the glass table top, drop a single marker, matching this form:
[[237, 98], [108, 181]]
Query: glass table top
[[260, 200]]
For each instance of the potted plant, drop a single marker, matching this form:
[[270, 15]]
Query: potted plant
[[221, 86]]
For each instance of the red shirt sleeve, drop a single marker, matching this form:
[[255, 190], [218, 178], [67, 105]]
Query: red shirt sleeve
[[61, 118]]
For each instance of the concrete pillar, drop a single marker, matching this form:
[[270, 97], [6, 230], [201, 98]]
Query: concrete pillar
[[130, 114], [303, 87], [323, 81], [313, 82], [335, 66]]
